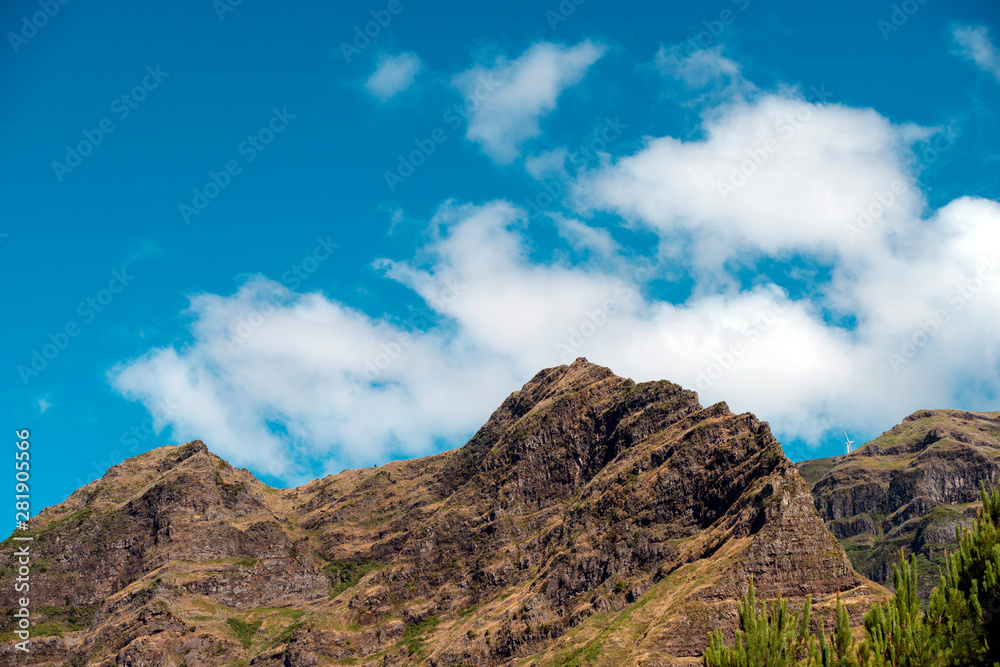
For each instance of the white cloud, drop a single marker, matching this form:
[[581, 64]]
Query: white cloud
[[822, 185], [43, 405], [698, 68], [547, 163], [507, 99], [787, 180], [755, 348], [347, 390], [396, 219], [774, 176], [393, 75], [584, 237], [973, 43], [481, 278], [350, 390]]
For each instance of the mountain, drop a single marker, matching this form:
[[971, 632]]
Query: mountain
[[591, 520], [908, 489]]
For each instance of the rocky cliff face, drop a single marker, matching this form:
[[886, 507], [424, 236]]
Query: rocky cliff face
[[589, 521], [909, 488]]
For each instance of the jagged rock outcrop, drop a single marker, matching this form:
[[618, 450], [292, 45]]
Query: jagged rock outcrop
[[590, 518], [909, 488]]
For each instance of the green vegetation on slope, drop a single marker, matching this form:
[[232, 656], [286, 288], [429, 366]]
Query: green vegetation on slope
[[344, 574], [909, 488], [960, 626], [244, 631]]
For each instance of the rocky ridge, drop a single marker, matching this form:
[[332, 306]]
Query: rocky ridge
[[908, 489], [591, 520]]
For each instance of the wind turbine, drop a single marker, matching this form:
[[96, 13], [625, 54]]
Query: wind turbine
[[849, 442]]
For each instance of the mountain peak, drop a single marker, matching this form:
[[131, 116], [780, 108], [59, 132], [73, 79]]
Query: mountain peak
[[583, 494], [189, 449]]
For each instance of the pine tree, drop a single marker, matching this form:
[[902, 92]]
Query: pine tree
[[961, 625], [898, 634], [965, 606], [767, 637], [842, 649], [973, 572], [953, 615]]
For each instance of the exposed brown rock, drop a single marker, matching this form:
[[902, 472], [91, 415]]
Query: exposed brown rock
[[590, 517], [908, 489]]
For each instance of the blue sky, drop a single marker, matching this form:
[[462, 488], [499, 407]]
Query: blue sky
[[316, 248]]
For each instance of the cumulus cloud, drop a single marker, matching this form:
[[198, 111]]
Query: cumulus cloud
[[698, 68], [350, 390], [547, 163], [515, 308], [778, 178], [973, 43], [903, 315], [584, 237], [507, 99], [393, 75], [924, 321], [342, 388], [775, 175]]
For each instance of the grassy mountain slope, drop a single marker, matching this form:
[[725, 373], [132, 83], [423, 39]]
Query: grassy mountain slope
[[589, 521], [908, 489]]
